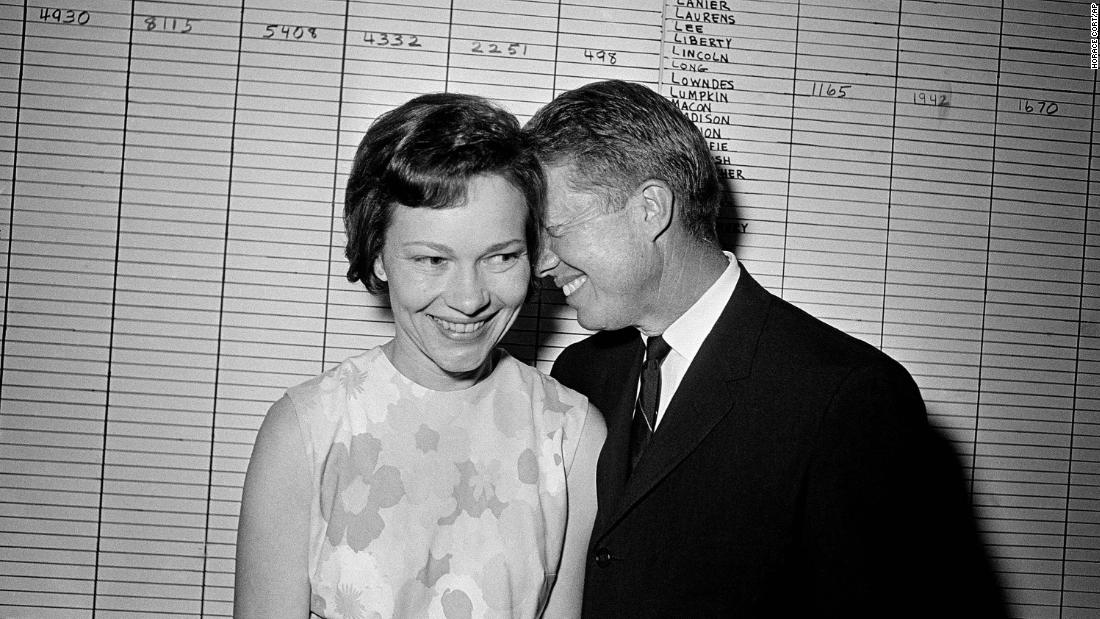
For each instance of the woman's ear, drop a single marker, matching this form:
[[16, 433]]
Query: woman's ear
[[379, 269]]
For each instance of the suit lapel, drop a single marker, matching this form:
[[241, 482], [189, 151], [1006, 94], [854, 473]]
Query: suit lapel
[[705, 396]]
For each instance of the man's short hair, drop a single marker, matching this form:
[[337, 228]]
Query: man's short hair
[[613, 135], [423, 154]]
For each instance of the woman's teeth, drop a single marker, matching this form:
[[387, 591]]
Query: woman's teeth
[[459, 327]]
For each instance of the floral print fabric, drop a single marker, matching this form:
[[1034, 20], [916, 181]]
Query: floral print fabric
[[429, 503]]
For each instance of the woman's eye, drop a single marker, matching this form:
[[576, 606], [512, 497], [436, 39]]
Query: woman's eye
[[503, 260], [430, 261]]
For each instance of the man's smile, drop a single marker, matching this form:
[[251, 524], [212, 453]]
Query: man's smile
[[572, 286]]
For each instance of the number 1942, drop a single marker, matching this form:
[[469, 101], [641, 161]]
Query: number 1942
[[931, 97]]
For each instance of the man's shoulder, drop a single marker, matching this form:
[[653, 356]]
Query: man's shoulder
[[575, 364], [794, 338], [603, 343], [803, 347]]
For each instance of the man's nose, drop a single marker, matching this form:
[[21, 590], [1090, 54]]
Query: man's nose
[[547, 260]]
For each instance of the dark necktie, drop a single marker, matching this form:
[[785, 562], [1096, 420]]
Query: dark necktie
[[645, 409]]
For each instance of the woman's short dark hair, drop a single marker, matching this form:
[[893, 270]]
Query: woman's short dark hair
[[424, 154], [613, 135]]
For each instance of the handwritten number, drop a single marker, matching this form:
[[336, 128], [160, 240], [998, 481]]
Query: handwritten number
[[601, 55], [391, 39], [64, 16], [826, 89], [498, 48], [181, 25], [1044, 108], [932, 98], [289, 32]]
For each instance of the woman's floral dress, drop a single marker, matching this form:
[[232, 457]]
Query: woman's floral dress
[[435, 503]]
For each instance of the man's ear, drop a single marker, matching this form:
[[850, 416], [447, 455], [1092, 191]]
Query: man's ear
[[379, 269], [658, 205]]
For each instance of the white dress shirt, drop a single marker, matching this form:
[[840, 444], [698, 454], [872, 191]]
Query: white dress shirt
[[686, 334]]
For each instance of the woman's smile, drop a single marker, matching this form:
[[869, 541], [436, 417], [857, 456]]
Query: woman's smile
[[460, 330]]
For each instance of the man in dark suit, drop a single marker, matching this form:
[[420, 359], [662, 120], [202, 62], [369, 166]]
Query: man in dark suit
[[759, 463]]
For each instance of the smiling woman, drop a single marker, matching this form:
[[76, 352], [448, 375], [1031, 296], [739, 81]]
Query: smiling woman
[[434, 475], [459, 277]]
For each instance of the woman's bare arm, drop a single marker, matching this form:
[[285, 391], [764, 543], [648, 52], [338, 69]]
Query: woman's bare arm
[[273, 532], [568, 592]]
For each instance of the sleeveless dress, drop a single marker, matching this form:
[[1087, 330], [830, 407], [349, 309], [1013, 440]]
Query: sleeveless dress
[[435, 503]]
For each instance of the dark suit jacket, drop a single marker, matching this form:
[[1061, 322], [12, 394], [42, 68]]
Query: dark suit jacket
[[794, 474]]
